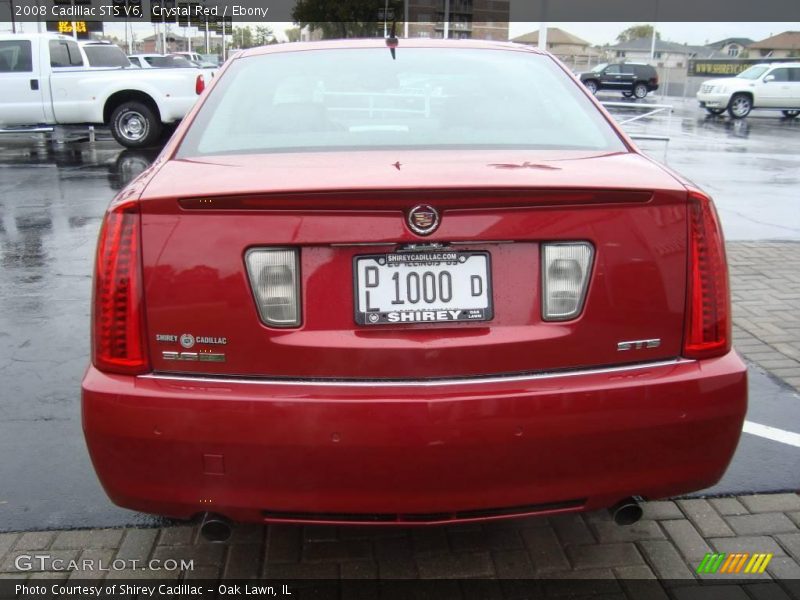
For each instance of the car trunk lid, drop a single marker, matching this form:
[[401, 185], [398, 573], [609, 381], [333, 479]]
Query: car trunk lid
[[201, 217]]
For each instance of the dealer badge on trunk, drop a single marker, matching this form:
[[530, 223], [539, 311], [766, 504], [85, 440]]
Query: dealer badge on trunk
[[423, 219]]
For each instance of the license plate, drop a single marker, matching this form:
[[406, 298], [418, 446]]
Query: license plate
[[423, 287]]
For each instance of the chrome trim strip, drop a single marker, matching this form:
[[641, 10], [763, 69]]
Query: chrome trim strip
[[381, 244], [362, 244], [480, 242], [416, 382]]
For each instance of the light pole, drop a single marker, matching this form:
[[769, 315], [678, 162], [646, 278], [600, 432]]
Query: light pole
[[653, 39], [11, 10]]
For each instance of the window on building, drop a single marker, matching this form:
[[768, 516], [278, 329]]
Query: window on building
[[620, 54], [733, 50]]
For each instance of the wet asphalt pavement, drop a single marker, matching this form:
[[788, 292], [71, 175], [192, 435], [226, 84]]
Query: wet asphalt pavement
[[52, 198]]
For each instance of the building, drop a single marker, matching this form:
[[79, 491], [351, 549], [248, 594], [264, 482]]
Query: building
[[559, 42], [577, 53], [783, 45], [667, 54], [475, 19], [177, 43], [309, 35], [152, 43], [731, 47]]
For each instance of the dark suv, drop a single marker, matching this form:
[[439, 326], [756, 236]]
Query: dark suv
[[632, 79]]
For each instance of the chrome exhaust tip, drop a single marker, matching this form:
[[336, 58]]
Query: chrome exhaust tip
[[216, 528], [627, 511]]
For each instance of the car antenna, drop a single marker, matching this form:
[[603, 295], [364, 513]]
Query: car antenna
[[392, 42]]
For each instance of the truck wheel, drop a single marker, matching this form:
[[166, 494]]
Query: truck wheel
[[640, 90], [790, 114], [134, 125], [591, 85], [740, 106]]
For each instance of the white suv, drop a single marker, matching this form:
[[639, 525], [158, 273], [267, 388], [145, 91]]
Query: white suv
[[774, 86]]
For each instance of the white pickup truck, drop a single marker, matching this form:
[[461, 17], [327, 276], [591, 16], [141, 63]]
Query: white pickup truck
[[45, 80]]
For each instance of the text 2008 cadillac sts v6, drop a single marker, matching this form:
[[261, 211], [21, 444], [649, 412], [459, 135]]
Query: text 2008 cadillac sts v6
[[419, 284]]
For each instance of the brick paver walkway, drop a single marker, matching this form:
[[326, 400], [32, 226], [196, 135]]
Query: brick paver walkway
[[765, 287], [668, 543]]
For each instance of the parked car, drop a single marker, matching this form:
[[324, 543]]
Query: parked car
[[772, 86], [209, 68], [192, 56], [341, 296], [46, 80], [171, 61], [161, 61], [631, 79]]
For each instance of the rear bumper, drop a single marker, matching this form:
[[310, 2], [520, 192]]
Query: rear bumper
[[261, 451]]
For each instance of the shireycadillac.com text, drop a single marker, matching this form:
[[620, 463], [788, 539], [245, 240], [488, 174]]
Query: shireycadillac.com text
[[149, 591]]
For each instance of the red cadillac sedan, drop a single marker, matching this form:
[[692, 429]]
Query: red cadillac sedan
[[423, 283]]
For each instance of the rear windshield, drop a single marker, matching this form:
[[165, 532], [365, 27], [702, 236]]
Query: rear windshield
[[106, 56], [168, 61], [360, 99]]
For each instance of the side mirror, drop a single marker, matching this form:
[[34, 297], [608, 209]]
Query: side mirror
[[769, 78]]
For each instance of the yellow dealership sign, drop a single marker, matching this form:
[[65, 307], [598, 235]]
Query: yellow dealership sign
[[724, 67]]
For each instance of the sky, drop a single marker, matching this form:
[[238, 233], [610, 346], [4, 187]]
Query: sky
[[596, 33]]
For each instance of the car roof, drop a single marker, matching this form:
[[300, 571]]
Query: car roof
[[381, 43], [32, 36]]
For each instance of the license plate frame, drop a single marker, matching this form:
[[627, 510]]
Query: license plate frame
[[466, 315]]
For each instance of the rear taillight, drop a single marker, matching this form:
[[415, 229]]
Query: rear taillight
[[199, 85], [708, 324], [565, 277], [274, 277], [118, 317]]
